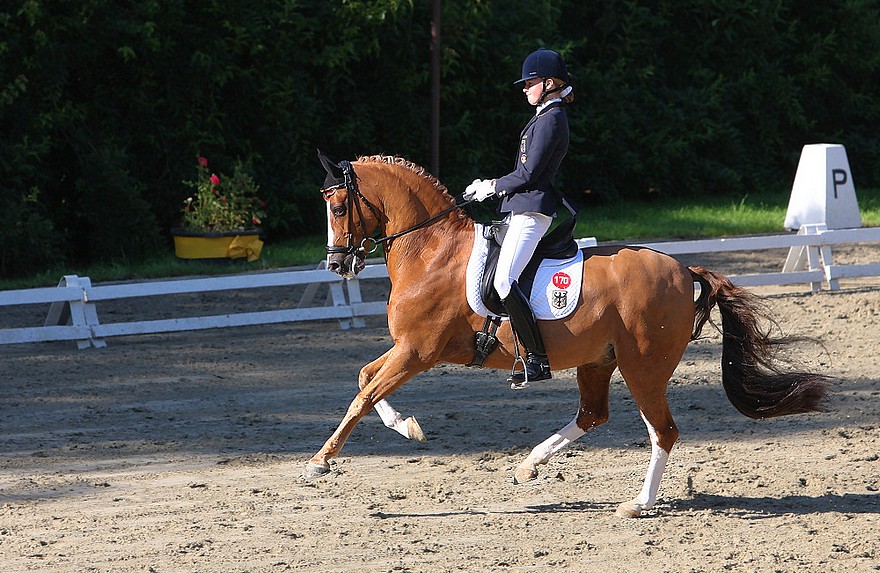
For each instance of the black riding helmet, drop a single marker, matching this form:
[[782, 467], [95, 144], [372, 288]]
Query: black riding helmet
[[543, 63]]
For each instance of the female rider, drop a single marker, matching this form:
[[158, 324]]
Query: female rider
[[529, 198]]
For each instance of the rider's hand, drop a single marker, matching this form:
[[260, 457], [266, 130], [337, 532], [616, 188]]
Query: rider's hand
[[480, 190], [471, 190]]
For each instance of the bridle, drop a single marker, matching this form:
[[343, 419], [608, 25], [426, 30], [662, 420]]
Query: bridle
[[349, 183]]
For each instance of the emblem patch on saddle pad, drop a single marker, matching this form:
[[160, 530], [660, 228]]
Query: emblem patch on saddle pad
[[560, 297], [556, 289]]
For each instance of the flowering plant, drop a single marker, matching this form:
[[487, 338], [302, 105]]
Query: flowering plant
[[222, 203]]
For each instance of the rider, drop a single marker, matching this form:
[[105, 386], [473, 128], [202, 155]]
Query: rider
[[529, 198]]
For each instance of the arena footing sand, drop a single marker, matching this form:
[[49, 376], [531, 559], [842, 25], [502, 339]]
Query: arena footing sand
[[183, 453]]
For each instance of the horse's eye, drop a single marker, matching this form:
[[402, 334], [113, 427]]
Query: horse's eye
[[338, 210]]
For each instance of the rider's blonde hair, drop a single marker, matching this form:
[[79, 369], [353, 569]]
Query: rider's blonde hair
[[568, 98]]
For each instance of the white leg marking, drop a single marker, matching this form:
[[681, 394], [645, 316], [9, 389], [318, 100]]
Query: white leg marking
[[648, 496], [528, 469], [542, 453], [391, 418]]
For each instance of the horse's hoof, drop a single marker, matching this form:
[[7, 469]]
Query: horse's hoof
[[523, 475], [414, 431], [628, 510], [314, 470]]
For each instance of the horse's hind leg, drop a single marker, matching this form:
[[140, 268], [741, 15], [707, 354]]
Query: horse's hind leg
[[593, 383], [648, 388]]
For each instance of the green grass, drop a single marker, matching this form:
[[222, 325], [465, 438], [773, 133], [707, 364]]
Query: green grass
[[684, 219], [623, 221], [711, 217]]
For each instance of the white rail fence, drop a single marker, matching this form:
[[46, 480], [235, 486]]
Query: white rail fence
[[73, 313], [810, 258]]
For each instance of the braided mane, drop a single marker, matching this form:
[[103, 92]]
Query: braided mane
[[459, 217], [415, 168]]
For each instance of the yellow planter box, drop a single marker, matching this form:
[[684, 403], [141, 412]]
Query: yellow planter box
[[218, 245]]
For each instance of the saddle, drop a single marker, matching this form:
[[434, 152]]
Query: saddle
[[557, 244]]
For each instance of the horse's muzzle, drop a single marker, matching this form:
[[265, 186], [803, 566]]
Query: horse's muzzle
[[345, 264]]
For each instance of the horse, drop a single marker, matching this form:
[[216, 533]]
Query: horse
[[637, 314]]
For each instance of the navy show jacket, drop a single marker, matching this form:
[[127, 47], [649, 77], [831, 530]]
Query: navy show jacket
[[543, 144]]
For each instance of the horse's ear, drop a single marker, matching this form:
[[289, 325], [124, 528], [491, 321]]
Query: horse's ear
[[334, 171]]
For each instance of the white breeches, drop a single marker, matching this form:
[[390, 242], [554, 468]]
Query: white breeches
[[519, 244]]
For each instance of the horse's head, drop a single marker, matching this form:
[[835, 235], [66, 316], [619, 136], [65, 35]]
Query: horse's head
[[349, 225]]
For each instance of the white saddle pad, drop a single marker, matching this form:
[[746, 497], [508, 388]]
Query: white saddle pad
[[555, 292]]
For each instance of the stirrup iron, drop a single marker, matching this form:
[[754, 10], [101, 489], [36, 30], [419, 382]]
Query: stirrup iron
[[525, 327], [513, 379], [535, 368]]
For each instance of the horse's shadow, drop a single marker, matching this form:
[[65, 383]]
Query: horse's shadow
[[764, 507], [562, 507], [744, 507]]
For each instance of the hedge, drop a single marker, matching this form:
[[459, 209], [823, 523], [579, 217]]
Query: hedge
[[105, 105]]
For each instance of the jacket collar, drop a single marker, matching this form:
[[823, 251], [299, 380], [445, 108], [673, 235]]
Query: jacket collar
[[539, 109]]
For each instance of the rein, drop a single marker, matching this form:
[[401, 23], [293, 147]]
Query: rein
[[350, 184]]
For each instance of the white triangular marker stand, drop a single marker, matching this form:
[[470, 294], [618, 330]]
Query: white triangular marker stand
[[823, 190], [823, 197]]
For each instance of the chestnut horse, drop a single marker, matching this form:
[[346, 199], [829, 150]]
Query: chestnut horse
[[637, 314]]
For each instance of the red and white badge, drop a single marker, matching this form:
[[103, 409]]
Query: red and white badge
[[561, 280]]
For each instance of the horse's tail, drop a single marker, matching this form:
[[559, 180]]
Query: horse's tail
[[754, 383]]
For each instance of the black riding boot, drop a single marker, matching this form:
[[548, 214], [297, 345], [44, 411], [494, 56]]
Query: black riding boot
[[522, 319]]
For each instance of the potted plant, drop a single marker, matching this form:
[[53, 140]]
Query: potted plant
[[220, 218]]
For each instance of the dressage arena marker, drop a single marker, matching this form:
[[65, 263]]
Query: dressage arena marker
[[823, 196], [823, 191], [73, 313]]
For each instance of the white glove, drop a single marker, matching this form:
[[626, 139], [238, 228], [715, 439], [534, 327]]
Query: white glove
[[471, 190], [480, 190]]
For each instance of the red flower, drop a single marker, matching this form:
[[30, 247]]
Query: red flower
[[214, 179], [203, 161]]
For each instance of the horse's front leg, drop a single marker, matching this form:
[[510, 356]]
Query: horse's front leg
[[398, 366], [408, 428]]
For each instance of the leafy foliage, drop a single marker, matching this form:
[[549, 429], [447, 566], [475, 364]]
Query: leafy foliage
[[101, 103]]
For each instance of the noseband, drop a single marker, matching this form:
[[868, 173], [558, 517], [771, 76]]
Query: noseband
[[350, 184]]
